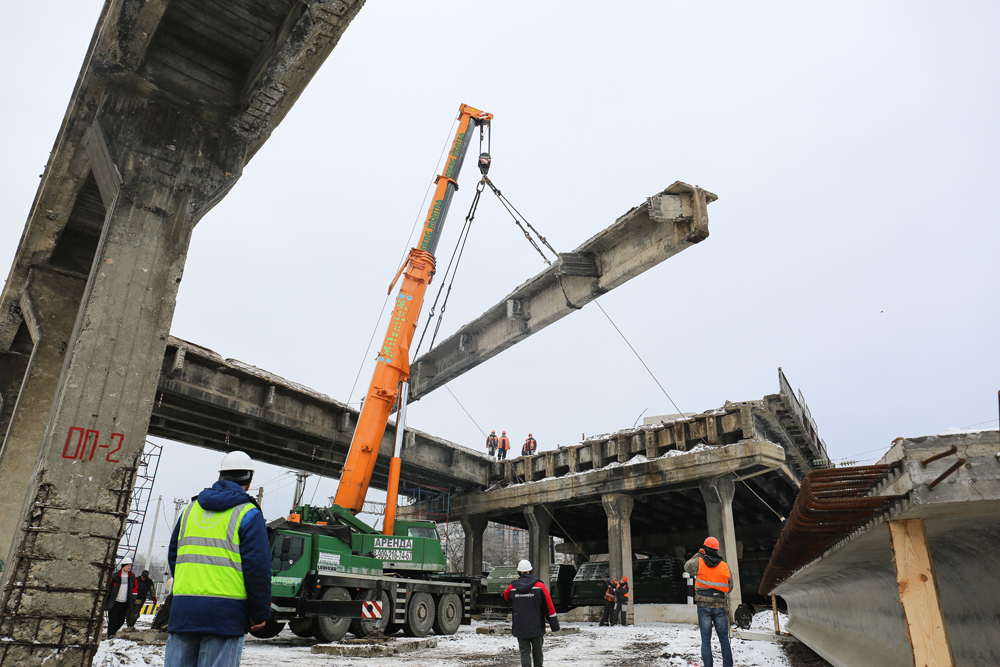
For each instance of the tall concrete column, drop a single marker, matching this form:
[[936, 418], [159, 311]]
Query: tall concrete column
[[158, 171], [49, 305], [618, 508], [539, 521], [473, 526], [718, 496]]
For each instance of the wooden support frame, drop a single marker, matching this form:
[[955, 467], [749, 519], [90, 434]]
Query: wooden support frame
[[925, 625]]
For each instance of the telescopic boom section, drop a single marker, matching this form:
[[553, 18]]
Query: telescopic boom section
[[393, 365]]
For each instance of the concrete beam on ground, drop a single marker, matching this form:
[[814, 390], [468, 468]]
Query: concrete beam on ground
[[648, 234]]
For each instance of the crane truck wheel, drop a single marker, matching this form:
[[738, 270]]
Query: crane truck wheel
[[449, 614], [365, 627], [419, 615], [302, 627], [328, 628], [271, 629]]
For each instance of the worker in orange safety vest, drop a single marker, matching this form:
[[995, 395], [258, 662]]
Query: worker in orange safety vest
[[621, 601], [504, 446], [491, 443], [712, 582], [530, 445], [608, 618]]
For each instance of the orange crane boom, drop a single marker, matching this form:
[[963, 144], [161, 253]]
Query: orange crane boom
[[392, 372]]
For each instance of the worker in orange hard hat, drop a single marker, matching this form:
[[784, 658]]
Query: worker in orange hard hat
[[492, 442], [530, 445], [712, 582], [621, 601], [504, 446]]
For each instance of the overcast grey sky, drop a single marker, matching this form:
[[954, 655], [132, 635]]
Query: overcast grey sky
[[853, 147]]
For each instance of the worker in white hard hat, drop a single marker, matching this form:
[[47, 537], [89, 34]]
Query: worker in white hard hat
[[121, 596], [532, 605], [221, 562]]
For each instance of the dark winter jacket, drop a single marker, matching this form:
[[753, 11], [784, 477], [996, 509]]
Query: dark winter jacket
[[621, 593], [144, 590], [531, 604], [219, 616], [706, 599], [114, 586], [492, 442]]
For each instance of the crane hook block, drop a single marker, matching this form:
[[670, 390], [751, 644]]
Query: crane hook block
[[484, 163]]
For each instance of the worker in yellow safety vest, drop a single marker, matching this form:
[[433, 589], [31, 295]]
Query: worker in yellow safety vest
[[221, 561], [712, 582]]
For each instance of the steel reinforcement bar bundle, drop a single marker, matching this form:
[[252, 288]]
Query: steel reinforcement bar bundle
[[831, 503]]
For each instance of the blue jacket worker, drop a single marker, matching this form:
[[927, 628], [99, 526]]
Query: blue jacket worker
[[532, 605], [221, 561]]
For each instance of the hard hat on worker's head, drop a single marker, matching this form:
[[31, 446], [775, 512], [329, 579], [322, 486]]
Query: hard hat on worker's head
[[236, 467], [529, 435], [126, 561], [504, 432], [494, 431], [624, 579], [712, 543], [524, 566]]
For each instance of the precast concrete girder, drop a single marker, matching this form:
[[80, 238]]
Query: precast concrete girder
[[650, 233], [205, 400], [663, 474], [667, 542]]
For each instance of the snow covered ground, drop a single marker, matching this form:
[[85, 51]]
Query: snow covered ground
[[658, 644]]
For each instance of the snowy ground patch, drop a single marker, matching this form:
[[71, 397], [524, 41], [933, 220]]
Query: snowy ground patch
[[656, 644]]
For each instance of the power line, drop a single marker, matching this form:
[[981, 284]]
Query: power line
[[464, 410]]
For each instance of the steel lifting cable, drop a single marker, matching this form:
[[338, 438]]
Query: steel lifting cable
[[512, 210], [452, 270]]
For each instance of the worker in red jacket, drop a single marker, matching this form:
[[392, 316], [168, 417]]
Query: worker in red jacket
[[531, 604], [530, 445], [504, 446]]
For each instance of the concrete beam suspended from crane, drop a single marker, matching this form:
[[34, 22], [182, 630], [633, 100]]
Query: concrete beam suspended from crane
[[657, 229]]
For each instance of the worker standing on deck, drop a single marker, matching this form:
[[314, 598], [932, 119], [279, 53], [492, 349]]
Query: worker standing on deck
[[531, 605], [608, 617], [504, 446], [621, 601], [221, 561], [492, 443], [712, 581], [530, 445]]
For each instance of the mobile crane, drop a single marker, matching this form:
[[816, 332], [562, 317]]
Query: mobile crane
[[331, 571]]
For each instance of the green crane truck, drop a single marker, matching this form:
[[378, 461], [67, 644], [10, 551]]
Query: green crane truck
[[331, 573]]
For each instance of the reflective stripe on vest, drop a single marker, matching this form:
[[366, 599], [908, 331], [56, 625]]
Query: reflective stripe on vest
[[209, 563], [716, 578]]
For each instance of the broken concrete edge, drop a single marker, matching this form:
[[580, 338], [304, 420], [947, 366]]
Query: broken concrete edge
[[375, 650], [764, 636]]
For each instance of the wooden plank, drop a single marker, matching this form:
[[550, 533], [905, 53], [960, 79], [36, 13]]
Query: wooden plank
[[918, 593]]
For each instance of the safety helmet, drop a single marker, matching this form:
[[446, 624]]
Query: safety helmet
[[126, 561], [504, 432], [236, 467], [494, 431], [624, 579], [712, 543], [529, 435], [524, 566]]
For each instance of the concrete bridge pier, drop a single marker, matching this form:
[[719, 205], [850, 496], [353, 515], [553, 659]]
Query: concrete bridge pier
[[158, 171], [474, 526], [618, 507], [49, 305], [539, 520], [718, 495]]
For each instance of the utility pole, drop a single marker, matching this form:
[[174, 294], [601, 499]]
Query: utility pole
[[260, 496], [179, 504], [152, 535], [300, 487]]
